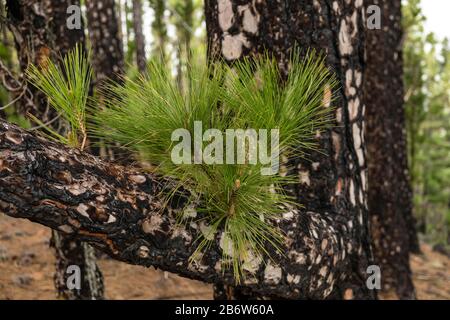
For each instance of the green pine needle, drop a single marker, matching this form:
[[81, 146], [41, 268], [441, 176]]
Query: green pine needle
[[67, 86], [236, 199]]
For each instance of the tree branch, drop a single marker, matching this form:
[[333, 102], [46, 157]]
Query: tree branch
[[121, 211]]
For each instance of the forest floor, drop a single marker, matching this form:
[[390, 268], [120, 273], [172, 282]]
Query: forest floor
[[27, 266]]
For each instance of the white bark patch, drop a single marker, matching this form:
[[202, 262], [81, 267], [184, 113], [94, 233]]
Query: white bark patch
[[364, 180], [299, 258], [323, 271], [82, 209], [348, 78], [207, 231], [352, 192], [345, 45], [226, 16], [304, 177], [249, 20], [14, 138], [152, 224], [336, 8], [189, 212], [138, 179], [272, 274], [232, 46], [226, 244], [143, 252], [111, 219], [324, 244], [295, 279], [251, 262], [76, 190], [356, 136], [339, 115], [353, 108], [360, 154], [181, 232]]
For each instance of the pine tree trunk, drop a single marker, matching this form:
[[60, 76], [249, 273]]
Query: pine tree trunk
[[139, 36], [107, 57], [107, 47], [390, 194], [71, 251], [43, 34], [159, 28], [331, 186]]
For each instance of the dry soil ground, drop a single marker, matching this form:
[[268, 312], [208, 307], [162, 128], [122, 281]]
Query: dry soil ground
[[27, 264]]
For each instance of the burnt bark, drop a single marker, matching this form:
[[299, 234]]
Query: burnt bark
[[41, 33], [390, 194], [139, 36], [70, 251], [27, 20], [120, 210], [107, 47], [333, 186]]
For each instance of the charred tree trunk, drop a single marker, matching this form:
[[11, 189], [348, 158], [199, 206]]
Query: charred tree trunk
[[107, 47], [139, 36], [107, 58], [70, 251], [27, 21], [41, 32], [332, 186], [390, 195]]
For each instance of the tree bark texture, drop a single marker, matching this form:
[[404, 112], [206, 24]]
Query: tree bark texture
[[68, 250], [120, 211], [390, 194], [51, 35], [107, 47], [331, 187], [139, 36], [27, 20]]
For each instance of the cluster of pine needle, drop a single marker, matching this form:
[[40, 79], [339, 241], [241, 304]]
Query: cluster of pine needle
[[236, 200]]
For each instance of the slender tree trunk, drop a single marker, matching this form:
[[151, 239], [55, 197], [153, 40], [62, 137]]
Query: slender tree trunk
[[107, 57], [390, 194], [71, 251], [41, 32], [331, 185], [159, 28], [107, 47], [28, 24], [139, 36]]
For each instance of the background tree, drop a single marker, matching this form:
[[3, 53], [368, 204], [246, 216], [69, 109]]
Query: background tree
[[159, 28], [426, 75], [47, 37], [107, 47], [390, 194], [141, 60]]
